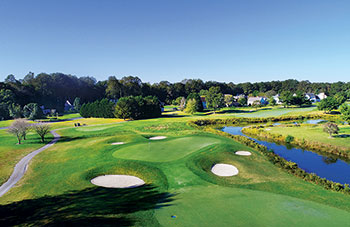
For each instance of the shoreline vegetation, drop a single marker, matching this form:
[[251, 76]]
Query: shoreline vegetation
[[290, 167], [258, 132]]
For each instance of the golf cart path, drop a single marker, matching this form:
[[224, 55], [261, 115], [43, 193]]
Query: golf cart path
[[22, 165]]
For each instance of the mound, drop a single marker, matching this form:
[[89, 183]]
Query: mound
[[158, 138], [117, 181], [244, 153], [224, 170], [117, 143]]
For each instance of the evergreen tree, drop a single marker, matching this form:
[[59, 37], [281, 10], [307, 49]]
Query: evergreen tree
[[76, 104]]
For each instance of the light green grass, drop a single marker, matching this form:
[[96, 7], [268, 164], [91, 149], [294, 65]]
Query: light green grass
[[11, 152], [315, 133], [164, 150]]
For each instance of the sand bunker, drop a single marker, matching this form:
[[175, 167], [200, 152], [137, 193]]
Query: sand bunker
[[117, 181], [158, 138], [224, 170], [244, 153], [118, 143]]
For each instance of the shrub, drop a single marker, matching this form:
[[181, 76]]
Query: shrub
[[289, 139]]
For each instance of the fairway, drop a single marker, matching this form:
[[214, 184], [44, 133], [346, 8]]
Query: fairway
[[165, 150], [221, 206]]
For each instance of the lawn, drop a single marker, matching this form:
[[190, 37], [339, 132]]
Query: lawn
[[57, 189], [11, 153], [316, 133]]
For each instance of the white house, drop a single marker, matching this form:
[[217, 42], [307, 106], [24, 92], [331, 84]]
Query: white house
[[322, 95], [261, 100], [312, 97], [277, 99]]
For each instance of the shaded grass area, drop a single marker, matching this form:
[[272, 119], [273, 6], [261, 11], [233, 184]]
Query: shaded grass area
[[88, 207]]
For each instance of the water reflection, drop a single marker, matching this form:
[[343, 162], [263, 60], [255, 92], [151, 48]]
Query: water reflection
[[328, 166]]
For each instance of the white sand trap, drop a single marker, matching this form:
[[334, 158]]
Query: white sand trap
[[118, 143], [158, 138], [268, 129], [224, 170], [244, 153], [117, 181]]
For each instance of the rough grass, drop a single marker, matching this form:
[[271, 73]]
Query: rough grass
[[315, 133]]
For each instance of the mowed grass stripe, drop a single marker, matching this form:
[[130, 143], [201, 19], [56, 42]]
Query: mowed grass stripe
[[165, 150]]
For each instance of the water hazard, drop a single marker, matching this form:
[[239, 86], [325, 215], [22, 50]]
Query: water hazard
[[328, 167]]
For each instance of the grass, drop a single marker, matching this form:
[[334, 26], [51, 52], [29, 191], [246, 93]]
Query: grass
[[315, 133], [57, 189], [11, 153], [178, 177]]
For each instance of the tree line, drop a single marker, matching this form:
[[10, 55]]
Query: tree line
[[52, 90]]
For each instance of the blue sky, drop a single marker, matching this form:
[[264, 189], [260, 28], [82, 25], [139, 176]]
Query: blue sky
[[236, 41]]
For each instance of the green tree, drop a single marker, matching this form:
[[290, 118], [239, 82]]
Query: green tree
[[15, 111], [242, 101], [345, 111], [328, 104], [228, 99], [286, 98], [215, 99], [32, 111], [77, 104], [340, 98], [197, 99], [272, 101], [191, 106], [125, 108], [331, 128]]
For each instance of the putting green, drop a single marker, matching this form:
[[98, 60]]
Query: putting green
[[215, 205], [165, 150]]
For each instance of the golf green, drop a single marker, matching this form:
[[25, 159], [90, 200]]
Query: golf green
[[165, 150]]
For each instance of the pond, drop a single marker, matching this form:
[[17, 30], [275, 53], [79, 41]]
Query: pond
[[328, 167]]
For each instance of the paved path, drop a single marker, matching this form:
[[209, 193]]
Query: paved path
[[22, 165]]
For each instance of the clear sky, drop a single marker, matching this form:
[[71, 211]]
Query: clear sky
[[218, 40]]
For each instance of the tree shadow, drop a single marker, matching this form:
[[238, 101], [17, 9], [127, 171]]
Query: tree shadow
[[69, 139], [88, 207], [342, 136]]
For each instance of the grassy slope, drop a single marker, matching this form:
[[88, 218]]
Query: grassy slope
[[201, 197], [11, 152], [315, 133]]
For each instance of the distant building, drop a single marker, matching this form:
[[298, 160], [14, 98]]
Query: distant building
[[312, 97], [68, 106], [261, 100], [204, 102], [45, 111], [322, 96], [238, 96], [277, 99]]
